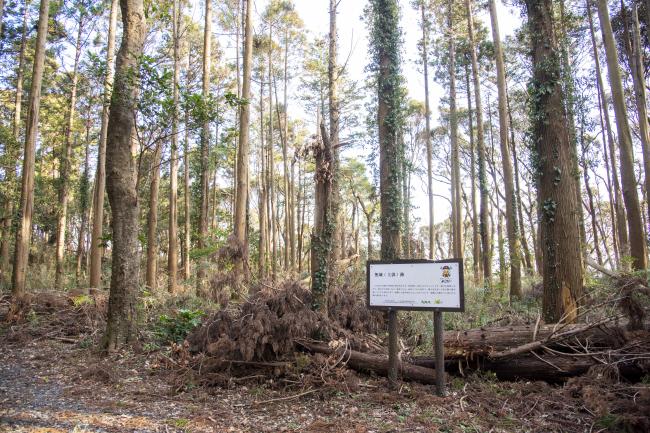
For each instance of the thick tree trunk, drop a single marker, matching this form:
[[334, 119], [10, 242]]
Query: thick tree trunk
[[562, 261], [121, 171], [338, 249], [24, 232], [630, 196], [378, 364], [187, 230], [512, 225], [66, 156], [151, 280], [96, 241], [241, 266]]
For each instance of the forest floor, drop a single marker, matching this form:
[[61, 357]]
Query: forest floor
[[53, 383]]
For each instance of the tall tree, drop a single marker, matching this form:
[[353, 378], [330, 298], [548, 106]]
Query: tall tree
[[172, 248], [628, 178], [11, 171], [385, 48], [205, 142], [562, 260], [66, 155], [243, 148], [96, 242], [333, 74], [24, 232], [121, 169], [512, 225], [456, 194], [151, 273], [427, 113]]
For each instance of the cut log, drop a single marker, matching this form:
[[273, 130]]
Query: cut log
[[548, 368], [374, 363], [484, 341]]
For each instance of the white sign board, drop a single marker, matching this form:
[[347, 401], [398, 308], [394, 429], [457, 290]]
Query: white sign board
[[416, 285]]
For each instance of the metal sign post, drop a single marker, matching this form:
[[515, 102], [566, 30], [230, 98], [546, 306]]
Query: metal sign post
[[416, 285]]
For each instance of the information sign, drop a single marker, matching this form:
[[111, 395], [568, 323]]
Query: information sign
[[416, 285]]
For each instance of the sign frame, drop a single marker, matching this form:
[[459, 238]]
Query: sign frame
[[461, 280]]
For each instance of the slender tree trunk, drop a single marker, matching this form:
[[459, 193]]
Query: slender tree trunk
[[456, 201], [65, 162], [635, 55], [619, 225], [271, 165], [187, 231], [11, 168], [152, 221], [24, 232], [484, 224], [263, 190], [241, 266], [512, 225], [562, 261], [476, 241], [630, 196], [334, 114], [427, 116], [121, 171], [83, 200], [205, 144], [288, 258], [172, 248], [96, 242]]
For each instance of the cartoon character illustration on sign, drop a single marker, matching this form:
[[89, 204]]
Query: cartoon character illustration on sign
[[446, 271]]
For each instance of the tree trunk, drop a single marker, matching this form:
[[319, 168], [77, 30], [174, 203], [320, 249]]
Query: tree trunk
[[456, 200], [96, 242], [476, 241], [7, 222], [121, 171], [512, 225], [562, 261], [65, 162], [427, 116], [263, 191], [186, 183], [151, 280], [241, 266], [172, 248], [630, 197], [24, 232], [83, 201], [333, 74], [619, 227], [205, 144]]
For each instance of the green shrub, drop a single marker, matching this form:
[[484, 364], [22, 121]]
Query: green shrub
[[175, 328]]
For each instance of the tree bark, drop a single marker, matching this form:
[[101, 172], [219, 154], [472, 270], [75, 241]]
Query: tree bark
[[11, 169], [512, 225], [241, 266], [186, 182], [338, 249], [205, 144], [151, 280], [630, 197], [121, 171], [456, 200], [562, 260], [66, 156], [172, 248], [427, 116], [24, 232], [96, 242]]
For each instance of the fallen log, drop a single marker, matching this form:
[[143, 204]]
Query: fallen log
[[484, 341], [373, 363], [548, 368]]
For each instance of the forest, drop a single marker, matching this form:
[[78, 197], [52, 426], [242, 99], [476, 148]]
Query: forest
[[192, 193]]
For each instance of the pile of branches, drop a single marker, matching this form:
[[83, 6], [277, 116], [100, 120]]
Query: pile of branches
[[64, 316]]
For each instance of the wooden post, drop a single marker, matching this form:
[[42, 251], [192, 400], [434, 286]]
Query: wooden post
[[439, 352], [392, 348]]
